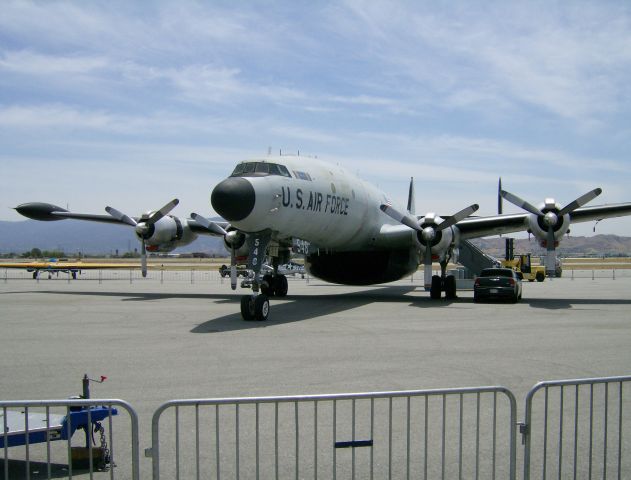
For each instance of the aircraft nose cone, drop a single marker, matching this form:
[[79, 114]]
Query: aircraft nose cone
[[233, 198]]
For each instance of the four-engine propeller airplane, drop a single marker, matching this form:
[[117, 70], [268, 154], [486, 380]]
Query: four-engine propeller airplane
[[347, 229]]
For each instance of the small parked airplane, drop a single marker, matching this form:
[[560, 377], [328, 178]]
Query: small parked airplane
[[348, 230], [57, 266]]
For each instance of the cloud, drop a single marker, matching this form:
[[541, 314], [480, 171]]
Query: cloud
[[572, 62], [42, 65]]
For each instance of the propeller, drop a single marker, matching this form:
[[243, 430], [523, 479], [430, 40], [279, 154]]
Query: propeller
[[143, 226], [428, 230], [550, 219], [230, 239], [212, 227]]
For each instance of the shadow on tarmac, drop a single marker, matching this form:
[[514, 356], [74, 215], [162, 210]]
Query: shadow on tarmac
[[295, 308], [39, 470]]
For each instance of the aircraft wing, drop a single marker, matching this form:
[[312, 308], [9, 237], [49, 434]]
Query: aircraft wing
[[474, 227], [49, 212]]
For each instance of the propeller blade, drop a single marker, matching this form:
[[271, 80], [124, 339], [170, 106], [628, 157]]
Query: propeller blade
[[158, 214], [143, 259], [120, 216], [455, 218], [523, 204], [551, 256], [580, 201], [404, 218], [233, 269], [427, 267], [212, 227], [499, 197]]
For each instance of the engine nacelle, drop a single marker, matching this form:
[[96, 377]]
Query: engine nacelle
[[538, 225], [167, 229], [166, 234]]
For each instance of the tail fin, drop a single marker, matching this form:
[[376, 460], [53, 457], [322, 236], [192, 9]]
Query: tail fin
[[411, 199]]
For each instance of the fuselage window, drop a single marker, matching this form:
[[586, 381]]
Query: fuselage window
[[302, 175]]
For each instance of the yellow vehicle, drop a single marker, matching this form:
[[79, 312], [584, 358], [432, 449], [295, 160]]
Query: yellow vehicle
[[522, 263]]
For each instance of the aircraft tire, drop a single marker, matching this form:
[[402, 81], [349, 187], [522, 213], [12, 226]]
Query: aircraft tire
[[261, 307], [280, 286], [434, 291], [247, 308], [450, 287], [268, 286]]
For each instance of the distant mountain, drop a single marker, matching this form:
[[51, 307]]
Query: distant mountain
[[89, 238], [599, 245]]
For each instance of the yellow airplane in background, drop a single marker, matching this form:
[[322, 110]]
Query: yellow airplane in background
[[73, 268]]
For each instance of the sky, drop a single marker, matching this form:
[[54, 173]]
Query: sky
[[131, 104]]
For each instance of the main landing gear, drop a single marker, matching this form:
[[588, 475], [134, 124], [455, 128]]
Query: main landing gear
[[443, 283], [275, 285]]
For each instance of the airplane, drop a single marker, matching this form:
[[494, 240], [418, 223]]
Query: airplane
[[348, 230], [56, 266]]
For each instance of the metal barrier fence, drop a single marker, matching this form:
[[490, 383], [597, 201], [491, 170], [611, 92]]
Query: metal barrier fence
[[453, 433], [572, 429], [40, 433], [577, 429]]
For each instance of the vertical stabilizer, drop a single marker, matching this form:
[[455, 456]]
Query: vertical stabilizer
[[411, 199]]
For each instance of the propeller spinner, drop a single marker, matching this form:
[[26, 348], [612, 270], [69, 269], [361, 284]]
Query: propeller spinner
[[143, 226]]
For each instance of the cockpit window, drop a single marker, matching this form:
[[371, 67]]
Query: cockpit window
[[259, 169], [283, 171], [238, 170]]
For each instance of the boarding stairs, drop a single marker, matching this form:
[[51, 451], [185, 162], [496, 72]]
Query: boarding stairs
[[474, 259]]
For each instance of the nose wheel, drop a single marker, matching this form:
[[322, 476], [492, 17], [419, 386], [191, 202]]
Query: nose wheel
[[255, 307]]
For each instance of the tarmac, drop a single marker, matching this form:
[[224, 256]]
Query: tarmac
[[184, 338]]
